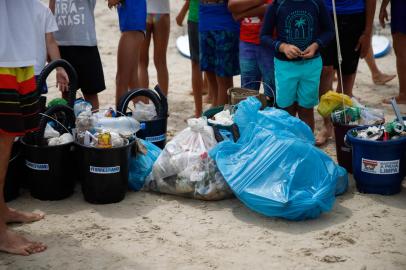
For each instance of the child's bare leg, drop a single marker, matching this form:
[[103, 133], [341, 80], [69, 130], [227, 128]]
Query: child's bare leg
[[197, 83], [348, 83], [213, 87], [161, 38], [224, 83], [127, 62], [143, 76], [10, 241], [378, 77], [292, 110], [307, 116], [399, 44], [93, 99], [326, 84]]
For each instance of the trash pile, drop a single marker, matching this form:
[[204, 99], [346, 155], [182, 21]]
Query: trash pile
[[53, 137], [223, 118], [184, 167], [144, 111], [351, 113], [274, 169], [102, 129], [391, 131]]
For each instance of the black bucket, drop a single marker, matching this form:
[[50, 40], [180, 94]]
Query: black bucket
[[154, 130], [344, 151], [104, 172], [50, 170], [73, 80], [14, 174]]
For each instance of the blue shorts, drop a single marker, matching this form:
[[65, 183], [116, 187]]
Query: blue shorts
[[44, 89], [298, 81], [132, 15], [398, 12], [219, 52], [257, 65]]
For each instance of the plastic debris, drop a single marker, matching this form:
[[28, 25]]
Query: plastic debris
[[144, 111], [57, 101], [50, 132], [223, 118], [124, 125], [81, 105], [63, 139], [184, 167], [332, 101]]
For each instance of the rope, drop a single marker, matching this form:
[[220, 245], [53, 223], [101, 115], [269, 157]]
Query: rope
[[339, 55]]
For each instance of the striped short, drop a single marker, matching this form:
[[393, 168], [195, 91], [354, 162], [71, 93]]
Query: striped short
[[19, 101]]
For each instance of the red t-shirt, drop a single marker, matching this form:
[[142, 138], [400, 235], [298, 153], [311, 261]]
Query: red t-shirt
[[251, 28]]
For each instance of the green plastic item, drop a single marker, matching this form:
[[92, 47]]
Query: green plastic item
[[57, 101]]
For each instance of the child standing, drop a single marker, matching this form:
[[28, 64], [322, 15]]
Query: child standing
[[45, 25], [19, 107], [302, 28], [218, 40], [193, 35], [256, 61], [78, 44], [158, 28], [132, 16]]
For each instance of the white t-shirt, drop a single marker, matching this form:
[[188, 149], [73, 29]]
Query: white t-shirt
[[158, 7], [44, 23], [17, 33]]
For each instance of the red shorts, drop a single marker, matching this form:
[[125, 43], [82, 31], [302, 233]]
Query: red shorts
[[19, 101]]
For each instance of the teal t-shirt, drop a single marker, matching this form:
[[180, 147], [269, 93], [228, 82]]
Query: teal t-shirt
[[194, 11]]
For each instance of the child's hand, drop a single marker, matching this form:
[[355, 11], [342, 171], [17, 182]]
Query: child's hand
[[291, 51], [62, 80], [179, 20], [113, 3], [310, 51]]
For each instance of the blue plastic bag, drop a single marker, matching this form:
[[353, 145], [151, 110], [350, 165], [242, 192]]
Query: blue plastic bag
[[277, 175], [271, 118], [141, 165]]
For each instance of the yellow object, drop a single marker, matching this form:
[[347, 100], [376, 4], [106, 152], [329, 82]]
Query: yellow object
[[104, 140], [331, 101]]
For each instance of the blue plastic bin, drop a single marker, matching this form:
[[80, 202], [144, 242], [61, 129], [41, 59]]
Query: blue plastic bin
[[378, 166]]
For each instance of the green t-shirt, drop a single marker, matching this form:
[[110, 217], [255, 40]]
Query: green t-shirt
[[194, 11]]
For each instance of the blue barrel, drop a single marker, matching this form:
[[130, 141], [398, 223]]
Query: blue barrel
[[378, 166]]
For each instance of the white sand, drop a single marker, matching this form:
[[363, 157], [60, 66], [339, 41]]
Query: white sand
[[150, 231]]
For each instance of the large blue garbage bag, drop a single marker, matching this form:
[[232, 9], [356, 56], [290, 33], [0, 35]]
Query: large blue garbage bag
[[271, 118], [141, 165], [274, 168]]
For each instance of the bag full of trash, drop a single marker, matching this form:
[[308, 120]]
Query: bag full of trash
[[278, 175], [184, 167], [141, 164], [332, 101]]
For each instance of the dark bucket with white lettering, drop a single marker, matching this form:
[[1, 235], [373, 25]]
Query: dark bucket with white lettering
[[104, 172], [14, 173], [378, 166], [49, 170]]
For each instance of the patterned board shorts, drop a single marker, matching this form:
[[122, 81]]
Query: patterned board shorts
[[19, 101], [219, 52]]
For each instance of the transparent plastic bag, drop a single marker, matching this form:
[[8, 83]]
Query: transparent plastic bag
[[184, 167], [144, 111]]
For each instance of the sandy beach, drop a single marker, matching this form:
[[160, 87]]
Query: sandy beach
[[153, 231]]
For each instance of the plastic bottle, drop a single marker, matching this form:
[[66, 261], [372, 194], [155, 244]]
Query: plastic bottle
[[346, 116], [123, 125], [80, 106]]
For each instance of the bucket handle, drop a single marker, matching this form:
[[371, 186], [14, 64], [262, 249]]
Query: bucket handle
[[265, 84], [347, 142]]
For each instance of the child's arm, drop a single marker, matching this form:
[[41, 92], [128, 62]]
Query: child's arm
[[365, 40], [52, 5], [182, 13], [383, 13], [62, 79], [326, 32], [239, 6], [257, 11]]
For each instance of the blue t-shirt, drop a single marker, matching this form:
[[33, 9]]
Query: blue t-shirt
[[216, 17], [297, 22], [346, 6]]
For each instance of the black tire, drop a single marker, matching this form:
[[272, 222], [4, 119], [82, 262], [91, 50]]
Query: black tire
[[73, 78], [151, 95], [69, 120]]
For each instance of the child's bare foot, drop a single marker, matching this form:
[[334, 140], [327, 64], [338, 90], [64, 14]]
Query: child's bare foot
[[399, 99], [14, 216], [323, 136], [13, 243], [382, 78]]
